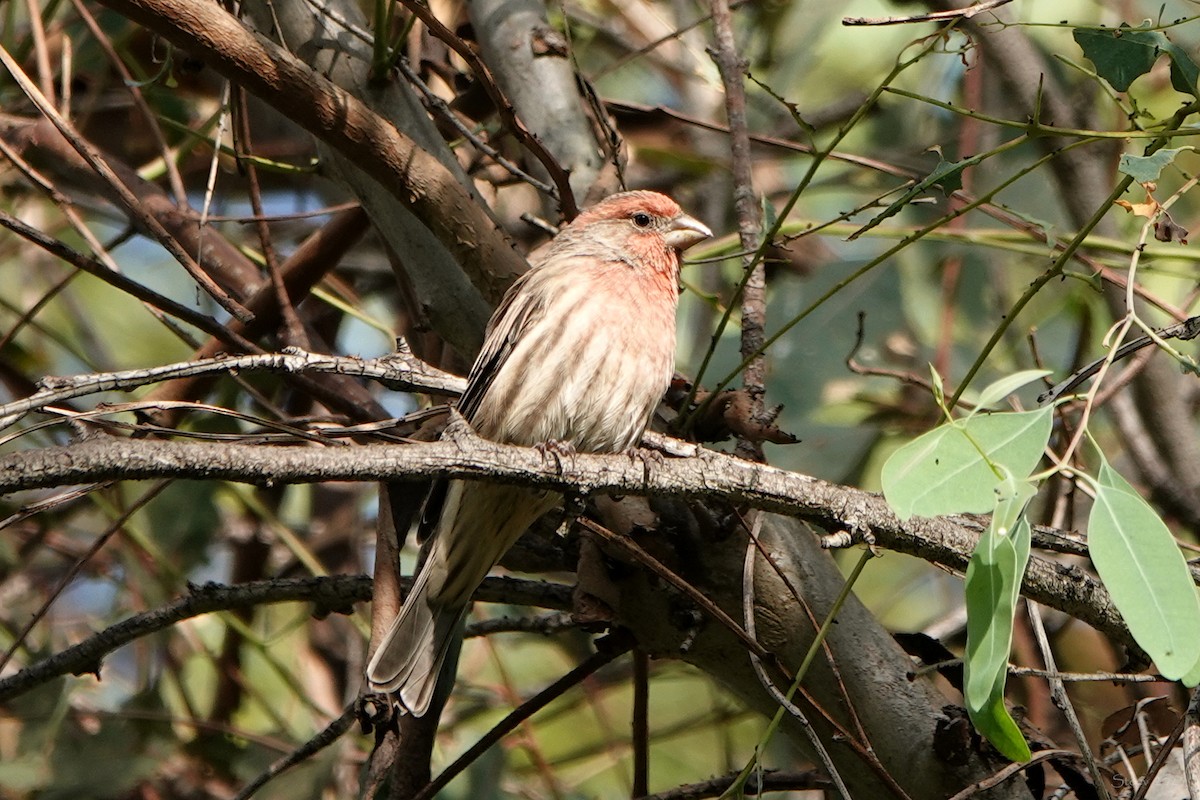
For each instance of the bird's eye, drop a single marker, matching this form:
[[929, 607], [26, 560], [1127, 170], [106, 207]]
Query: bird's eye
[[641, 219]]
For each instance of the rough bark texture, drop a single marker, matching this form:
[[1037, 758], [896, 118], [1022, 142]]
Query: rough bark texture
[[945, 540]]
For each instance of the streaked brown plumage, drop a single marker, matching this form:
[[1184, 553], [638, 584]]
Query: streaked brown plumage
[[580, 351]]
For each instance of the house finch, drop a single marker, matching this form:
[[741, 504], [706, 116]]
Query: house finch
[[579, 352]]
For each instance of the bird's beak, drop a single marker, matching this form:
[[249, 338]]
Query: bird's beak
[[686, 231]]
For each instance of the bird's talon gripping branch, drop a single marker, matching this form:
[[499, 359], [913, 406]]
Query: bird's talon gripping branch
[[557, 450], [648, 459]]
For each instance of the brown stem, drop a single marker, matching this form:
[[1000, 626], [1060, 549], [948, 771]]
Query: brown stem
[[641, 723], [754, 294], [504, 108], [525, 711], [293, 330]]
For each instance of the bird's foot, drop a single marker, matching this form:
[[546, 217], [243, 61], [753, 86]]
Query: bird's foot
[[556, 450]]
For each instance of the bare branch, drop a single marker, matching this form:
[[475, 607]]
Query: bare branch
[[329, 594], [343, 122], [935, 16], [400, 371], [460, 454], [754, 288]]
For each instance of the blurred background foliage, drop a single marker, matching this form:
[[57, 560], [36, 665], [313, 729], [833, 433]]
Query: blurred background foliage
[[199, 709]]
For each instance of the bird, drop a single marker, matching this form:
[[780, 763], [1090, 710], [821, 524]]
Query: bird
[[577, 355]]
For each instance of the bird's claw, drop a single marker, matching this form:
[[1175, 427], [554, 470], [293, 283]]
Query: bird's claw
[[557, 450], [648, 458]]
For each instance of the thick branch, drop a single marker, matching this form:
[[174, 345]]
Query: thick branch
[[947, 541], [531, 63]]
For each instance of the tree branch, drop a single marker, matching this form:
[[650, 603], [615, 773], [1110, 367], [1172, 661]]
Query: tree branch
[[342, 121], [947, 541], [399, 371], [329, 594]]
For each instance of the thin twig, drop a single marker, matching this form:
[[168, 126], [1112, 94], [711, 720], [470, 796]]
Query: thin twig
[[524, 712], [1011, 771], [293, 329], [94, 267], [933, 16], [1059, 692], [437, 105], [732, 68], [330, 734], [767, 781], [631, 548], [131, 203], [139, 101], [784, 700], [1184, 331], [328, 594], [67, 577], [565, 197], [399, 371], [1160, 759]]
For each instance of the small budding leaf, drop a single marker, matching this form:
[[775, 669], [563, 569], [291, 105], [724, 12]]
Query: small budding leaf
[[1146, 574]]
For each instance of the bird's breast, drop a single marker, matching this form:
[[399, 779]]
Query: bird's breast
[[589, 371]]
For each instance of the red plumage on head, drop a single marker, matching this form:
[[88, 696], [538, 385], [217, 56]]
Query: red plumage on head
[[621, 206]]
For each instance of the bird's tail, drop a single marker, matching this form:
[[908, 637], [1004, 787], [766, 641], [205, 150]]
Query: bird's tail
[[409, 658]]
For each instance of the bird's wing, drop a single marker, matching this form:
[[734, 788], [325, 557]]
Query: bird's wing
[[513, 316], [516, 312]]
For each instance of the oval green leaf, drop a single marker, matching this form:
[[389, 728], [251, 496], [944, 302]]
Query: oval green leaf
[[1145, 573], [950, 469]]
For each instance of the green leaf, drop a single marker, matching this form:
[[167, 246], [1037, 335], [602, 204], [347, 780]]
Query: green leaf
[[947, 470], [939, 388], [1120, 55], [1185, 75], [995, 392], [1145, 169], [993, 588], [999, 728], [1145, 573]]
